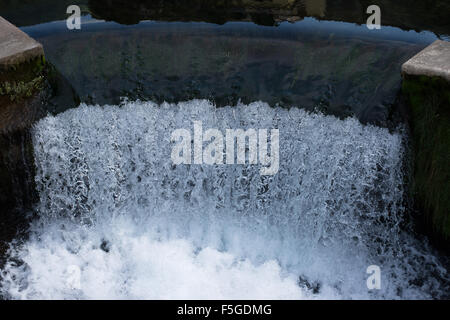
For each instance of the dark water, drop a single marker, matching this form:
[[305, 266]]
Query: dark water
[[229, 52], [309, 64], [418, 15], [316, 55]]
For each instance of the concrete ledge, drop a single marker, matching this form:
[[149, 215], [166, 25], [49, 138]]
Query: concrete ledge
[[15, 46], [426, 87], [433, 61]]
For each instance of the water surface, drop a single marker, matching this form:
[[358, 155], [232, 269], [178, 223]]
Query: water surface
[[112, 204]]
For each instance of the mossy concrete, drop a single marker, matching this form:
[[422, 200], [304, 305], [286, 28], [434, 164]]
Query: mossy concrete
[[21, 98], [22, 65], [17, 116], [23, 76], [426, 86]]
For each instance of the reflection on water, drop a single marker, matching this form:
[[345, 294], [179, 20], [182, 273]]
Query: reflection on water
[[335, 67], [328, 66], [416, 15]]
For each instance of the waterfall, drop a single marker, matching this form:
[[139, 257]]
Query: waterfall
[[113, 206]]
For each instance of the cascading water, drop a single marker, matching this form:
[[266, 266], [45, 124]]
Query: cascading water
[[114, 205]]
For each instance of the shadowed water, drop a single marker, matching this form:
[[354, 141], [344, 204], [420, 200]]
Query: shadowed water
[[418, 15], [330, 67]]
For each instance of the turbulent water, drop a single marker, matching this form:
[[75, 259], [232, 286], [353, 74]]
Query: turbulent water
[[114, 207]]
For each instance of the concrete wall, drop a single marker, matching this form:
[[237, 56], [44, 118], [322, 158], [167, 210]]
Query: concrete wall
[[426, 84]]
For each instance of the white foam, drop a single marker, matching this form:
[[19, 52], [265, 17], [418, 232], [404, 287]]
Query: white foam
[[104, 175]]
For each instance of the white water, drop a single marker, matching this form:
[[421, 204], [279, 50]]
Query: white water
[[113, 205]]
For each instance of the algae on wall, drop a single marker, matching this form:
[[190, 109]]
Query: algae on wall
[[28, 91], [429, 99], [20, 105], [22, 81]]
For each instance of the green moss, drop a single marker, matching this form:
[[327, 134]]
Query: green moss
[[22, 81], [17, 91], [429, 99]]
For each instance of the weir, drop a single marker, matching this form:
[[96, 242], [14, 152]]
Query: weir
[[114, 206]]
